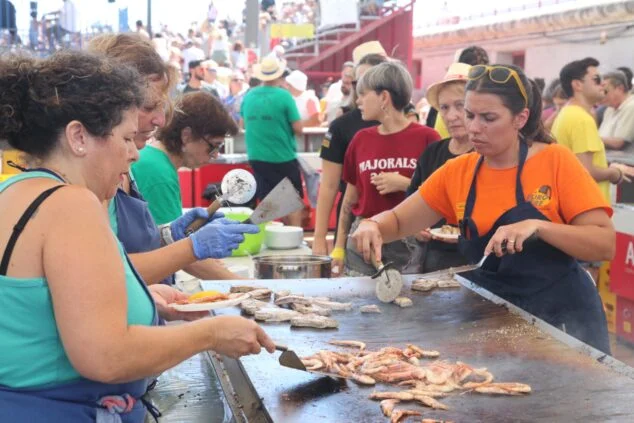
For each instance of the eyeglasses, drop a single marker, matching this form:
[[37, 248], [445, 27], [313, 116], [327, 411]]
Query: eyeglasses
[[215, 148], [499, 75], [597, 79]]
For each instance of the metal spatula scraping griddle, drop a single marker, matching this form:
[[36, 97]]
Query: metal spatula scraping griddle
[[290, 359], [389, 281]]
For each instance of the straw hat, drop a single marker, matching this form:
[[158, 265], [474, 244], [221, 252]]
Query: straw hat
[[269, 69], [362, 50], [298, 80], [456, 72]]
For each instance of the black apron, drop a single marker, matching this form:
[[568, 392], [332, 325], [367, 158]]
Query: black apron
[[542, 279]]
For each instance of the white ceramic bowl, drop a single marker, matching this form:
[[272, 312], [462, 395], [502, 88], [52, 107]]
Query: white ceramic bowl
[[283, 237]]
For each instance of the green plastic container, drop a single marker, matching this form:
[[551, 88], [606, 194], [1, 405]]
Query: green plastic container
[[252, 242]]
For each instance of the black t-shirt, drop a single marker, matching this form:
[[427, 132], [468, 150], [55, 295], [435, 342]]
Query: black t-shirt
[[434, 156], [340, 133]]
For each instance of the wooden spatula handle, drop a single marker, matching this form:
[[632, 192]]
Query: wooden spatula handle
[[199, 223]]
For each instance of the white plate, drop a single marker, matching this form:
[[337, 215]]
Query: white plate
[[208, 306], [438, 233]]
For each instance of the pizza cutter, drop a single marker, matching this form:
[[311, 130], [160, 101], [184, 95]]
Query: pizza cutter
[[388, 280], [238, 187]]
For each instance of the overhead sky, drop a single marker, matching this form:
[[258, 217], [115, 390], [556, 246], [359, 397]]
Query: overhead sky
[[180, 14]]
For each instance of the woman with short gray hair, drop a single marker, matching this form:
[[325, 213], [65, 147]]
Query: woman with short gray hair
[[379, 164]]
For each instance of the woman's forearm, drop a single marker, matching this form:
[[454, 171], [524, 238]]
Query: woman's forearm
[[156, 265], [408, 218], [325, 203], [156, 349], [583, 242], [346, 217], [210, 269]]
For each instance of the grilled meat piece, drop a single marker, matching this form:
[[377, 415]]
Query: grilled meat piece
[[313, 321], [424, 285], [403, 302], [372, 308], [275, 314]]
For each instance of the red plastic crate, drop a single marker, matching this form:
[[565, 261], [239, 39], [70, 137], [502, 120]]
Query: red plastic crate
[[625, 319], [622, 267], [186, 180]]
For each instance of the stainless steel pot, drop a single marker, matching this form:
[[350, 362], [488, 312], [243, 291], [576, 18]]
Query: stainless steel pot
[[292, 267]]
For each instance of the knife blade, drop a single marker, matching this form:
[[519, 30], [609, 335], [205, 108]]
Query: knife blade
[[280, 202]]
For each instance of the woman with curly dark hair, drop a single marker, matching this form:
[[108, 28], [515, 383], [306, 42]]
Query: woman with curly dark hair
[[79, 327], [194, 136]]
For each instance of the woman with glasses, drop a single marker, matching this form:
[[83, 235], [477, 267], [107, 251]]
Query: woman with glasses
[[193, 137], [379, 164], [515, 203]]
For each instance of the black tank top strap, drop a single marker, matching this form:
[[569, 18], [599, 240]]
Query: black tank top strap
[[19, 227]]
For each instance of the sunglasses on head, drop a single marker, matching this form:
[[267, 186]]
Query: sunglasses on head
[[498, 75]]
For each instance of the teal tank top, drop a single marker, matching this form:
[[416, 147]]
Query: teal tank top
[[32, 350]]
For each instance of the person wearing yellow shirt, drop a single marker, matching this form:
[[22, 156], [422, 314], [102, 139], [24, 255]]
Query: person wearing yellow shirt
[[576, 129]]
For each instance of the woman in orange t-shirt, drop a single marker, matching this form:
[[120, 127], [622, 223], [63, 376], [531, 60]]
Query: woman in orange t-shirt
[[516, 186]]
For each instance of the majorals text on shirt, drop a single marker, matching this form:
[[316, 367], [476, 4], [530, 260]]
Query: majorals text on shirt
[[387, 164]]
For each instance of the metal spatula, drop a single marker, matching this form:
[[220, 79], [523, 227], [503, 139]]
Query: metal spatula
[[528, 241], [289, 358]]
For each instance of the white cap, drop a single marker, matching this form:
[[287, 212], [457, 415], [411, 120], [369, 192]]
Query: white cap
[[298, 80]]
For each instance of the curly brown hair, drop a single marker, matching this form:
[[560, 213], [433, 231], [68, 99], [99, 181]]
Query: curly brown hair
[[203, 113], [38, 98]]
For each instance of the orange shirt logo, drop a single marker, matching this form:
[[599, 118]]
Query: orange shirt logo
[[541, 197], [460, 210]]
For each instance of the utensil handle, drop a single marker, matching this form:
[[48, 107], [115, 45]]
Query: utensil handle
[[280, 347], [378, 264], [199, 223]]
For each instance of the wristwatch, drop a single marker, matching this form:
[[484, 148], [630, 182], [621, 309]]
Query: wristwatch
[[166, 234]]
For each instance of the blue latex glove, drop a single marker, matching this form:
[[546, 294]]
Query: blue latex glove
[[179, 226], [218, 240]]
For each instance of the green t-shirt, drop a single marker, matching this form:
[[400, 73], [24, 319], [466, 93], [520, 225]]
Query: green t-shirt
[[269, 114], [157, 180]]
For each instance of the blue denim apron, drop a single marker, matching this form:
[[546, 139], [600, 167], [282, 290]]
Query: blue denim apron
[[81, 400], [542, 279], [136, 228]]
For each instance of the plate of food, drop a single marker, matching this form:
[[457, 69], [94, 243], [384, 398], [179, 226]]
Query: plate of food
[[446, 232], [208, 300]]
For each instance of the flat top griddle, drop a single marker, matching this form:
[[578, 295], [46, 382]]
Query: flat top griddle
[[570, 380]]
